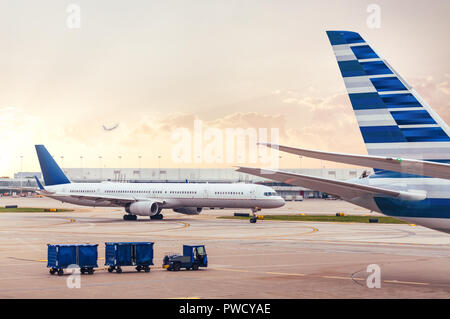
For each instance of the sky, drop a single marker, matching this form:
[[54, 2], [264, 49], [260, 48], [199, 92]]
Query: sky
[[154, 67]]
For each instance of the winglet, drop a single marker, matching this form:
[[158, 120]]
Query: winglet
[[39, 183]]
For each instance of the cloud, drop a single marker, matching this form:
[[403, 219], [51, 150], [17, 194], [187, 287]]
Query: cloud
[[436, 93], [303, 118]]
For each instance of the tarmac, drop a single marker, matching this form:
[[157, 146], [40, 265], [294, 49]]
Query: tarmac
[[269, 259]]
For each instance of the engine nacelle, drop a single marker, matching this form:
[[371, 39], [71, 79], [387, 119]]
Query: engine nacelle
[[143, 208], [189, 210]]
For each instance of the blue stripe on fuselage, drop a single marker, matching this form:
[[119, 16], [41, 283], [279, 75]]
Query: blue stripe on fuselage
[[380, 173], [427, 208]]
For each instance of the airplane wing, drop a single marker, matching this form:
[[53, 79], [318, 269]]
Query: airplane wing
[[345, 190], [409, 166], [121, 201]]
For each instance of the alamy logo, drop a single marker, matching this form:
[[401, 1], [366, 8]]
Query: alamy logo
[[74, 280], [374, 279], [230, 145], [73, 20], [374, 19]]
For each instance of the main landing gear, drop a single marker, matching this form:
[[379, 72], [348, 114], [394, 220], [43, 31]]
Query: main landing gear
[[254, 217], [158, 216], [129, 217]]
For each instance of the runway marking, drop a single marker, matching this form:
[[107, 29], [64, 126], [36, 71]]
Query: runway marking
[[71, 220], [275, 237], [139, 233], [236, 270], [325, 277], [406, 282], [284, 274]]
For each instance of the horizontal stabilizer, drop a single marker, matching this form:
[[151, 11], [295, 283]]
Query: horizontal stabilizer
[[345, 190], [408, 166]]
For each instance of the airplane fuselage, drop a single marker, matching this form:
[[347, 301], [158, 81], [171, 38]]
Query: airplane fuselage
[[173, 195], [432, 212]]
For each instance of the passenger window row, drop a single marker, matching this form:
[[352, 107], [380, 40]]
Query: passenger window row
[[229, 193], [183, 192], [135, 191]]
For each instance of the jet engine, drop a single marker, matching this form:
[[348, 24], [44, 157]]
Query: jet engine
[[143, 208], [189, 210]]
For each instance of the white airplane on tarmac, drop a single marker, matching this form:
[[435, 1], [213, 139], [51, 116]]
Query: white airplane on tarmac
[[148, 199]]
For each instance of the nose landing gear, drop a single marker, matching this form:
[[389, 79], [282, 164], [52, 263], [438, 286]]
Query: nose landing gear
[[254, 217]]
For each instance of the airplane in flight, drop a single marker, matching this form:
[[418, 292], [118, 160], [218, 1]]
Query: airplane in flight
[[149, 199], [408, 144]]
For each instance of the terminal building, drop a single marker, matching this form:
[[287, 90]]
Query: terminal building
[[184, 175]]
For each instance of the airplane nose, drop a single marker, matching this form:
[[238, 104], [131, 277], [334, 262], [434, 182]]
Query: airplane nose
[[281, 202]]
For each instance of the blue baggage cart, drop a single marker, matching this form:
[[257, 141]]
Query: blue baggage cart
[[60, 257], [119, 254], [194, 256]]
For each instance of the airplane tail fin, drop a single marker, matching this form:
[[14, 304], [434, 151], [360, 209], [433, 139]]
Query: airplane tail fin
[[394, 120], [53, 174]]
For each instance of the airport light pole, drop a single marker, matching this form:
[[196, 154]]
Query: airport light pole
[[101, 169], [21, 173], [159, 167], [81, 163], [120, 171], [198, 172], [140, 157], [321, 166], [179, 173]]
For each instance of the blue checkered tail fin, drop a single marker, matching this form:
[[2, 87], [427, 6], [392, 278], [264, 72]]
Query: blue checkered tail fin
[[394, 120]]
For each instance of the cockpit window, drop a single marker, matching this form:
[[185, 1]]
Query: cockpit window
[[270, 194]]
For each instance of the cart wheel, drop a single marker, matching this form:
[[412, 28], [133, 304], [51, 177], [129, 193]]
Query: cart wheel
[[188, 268], [110, 269], [194, 267], [147, 269], [60, 272], [52, 271], [176, 267], [253, 220], [82, 270], [138, 268], [119, 270], [91, 271]]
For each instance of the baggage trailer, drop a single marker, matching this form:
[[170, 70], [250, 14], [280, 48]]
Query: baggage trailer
[[194, 256], [119, 254], [60, 257]]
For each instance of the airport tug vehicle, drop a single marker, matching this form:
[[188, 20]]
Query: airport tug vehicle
[[119, 254], [194, 256]]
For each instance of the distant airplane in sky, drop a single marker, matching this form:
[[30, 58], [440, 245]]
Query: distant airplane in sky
[[407, 142], [110, 128]]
